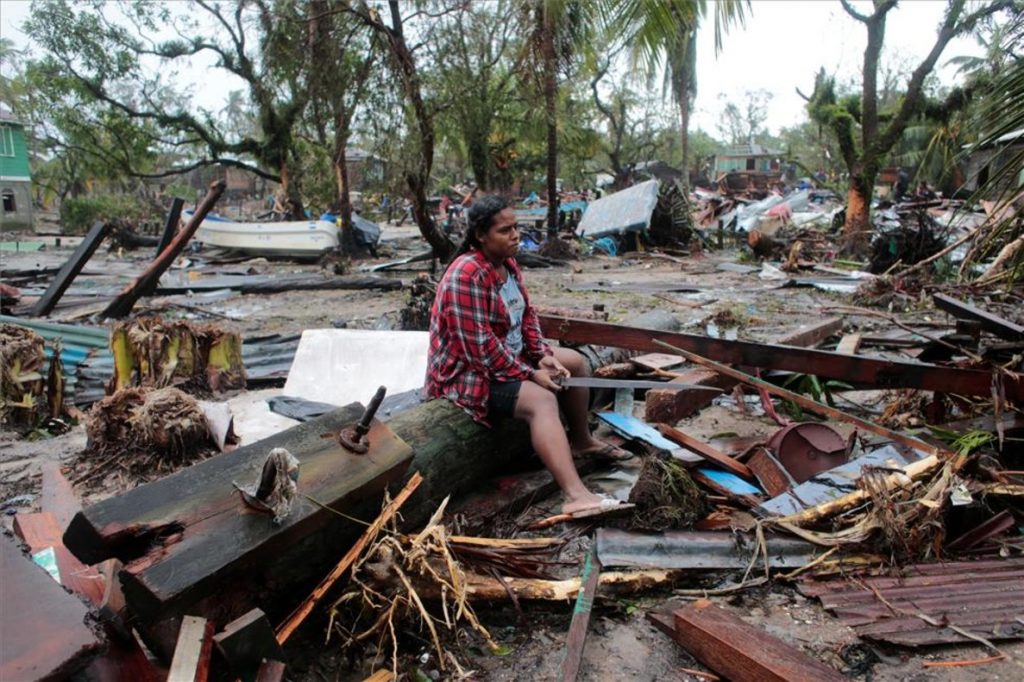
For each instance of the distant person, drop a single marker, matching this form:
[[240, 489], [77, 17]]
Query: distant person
[[902, 185], [924, 192]]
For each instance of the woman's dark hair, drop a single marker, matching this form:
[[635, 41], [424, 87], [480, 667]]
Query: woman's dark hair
[[479, 219]]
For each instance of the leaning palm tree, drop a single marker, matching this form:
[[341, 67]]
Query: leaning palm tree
[[1001, 117]]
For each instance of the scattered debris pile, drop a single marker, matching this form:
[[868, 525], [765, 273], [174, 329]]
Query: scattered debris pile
[[143, 434], [21, 374]]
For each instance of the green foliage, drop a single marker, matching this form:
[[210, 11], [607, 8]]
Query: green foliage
[[78, 214], [810, 385], [963, 443]]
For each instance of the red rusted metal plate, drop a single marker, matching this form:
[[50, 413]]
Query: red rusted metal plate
[[984, 598], [808, 448]]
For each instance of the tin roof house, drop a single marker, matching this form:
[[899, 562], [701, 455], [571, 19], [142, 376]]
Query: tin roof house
[[15, 176]]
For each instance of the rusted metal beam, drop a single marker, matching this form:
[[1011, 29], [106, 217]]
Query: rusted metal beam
[[855, 370], [993, 324]]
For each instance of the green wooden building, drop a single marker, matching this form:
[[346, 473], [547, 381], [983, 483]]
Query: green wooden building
[[15, 176]]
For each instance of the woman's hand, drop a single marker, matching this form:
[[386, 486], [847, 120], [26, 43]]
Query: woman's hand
[[551, 364], [545, 378]]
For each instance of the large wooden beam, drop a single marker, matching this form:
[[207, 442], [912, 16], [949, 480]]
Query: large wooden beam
[[183, 535], [70, 270], [855, 370], [738, 651], [170, 226], [999, 326]]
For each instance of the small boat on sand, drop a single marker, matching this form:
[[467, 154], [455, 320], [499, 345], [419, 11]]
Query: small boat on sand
[[293, 239]]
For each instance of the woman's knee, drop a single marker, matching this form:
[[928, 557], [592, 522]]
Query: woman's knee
[[535, 401], [573, 361]]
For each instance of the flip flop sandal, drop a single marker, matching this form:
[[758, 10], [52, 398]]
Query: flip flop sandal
[[607, 508], [608, 454]]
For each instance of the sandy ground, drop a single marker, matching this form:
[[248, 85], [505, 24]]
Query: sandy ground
[[621, 644]]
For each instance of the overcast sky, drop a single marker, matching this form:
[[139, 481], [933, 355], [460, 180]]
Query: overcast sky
[[780, 49]]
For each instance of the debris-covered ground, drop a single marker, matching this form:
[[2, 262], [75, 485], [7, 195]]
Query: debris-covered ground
[[798, 298]]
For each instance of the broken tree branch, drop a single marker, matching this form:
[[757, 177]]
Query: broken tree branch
[[285, 630]]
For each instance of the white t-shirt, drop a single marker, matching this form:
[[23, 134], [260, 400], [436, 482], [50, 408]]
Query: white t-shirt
[[516, 305]]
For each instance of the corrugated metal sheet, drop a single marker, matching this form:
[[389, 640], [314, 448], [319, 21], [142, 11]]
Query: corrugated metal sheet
[[984, 598], [626, 211]]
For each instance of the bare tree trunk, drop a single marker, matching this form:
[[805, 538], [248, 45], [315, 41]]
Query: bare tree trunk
[[551, 117], [348, 237], [857, 227]]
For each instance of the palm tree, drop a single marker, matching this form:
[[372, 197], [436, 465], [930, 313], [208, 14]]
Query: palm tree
[[558, 30], [664, 34]]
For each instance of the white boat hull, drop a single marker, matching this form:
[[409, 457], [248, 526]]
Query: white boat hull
[[296, 239]]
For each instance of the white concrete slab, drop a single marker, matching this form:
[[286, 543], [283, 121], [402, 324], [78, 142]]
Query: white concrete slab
[[341, 366], [253, 420]]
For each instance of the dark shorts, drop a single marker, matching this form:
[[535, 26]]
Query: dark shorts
[[502, 401]]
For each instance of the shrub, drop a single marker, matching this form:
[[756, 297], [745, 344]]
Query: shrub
[[78, 214]]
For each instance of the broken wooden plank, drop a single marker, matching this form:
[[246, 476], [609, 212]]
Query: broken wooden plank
[[769, 472], [270, 671], [667, 405], [40, 531], [42, 628], [739, 651], [245, 642], [806, 403], [706, 451], [57, 496], [577, 636], [850, 344], [146, 282], [808, 336], [182, 535], [853, 369], [70, 269], [191, 662], [994, 324], [295, 619], [170, 225]]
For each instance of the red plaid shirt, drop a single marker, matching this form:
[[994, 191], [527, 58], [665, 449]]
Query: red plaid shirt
[[468, 326]]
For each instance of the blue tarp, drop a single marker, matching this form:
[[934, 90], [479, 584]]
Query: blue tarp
[[626, 211]]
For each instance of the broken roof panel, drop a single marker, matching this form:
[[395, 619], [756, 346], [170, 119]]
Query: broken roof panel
[[626, 211], [930, 603]]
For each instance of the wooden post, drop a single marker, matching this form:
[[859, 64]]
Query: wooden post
[[171, 226], [577, 636], [70, 270], [738, 651], [146, 282]]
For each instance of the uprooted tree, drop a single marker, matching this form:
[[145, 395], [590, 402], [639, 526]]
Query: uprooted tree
[[843, 116]]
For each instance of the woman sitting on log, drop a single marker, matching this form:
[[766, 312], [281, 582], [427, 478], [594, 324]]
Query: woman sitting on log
[[487, 355]]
